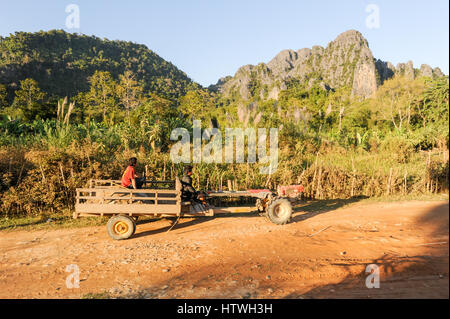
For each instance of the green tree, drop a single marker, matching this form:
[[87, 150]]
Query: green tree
[[197, 104], [30, 99], [102, 95], [395, 100], [129, 92], [3, 96], [435, 107], [339, 102]]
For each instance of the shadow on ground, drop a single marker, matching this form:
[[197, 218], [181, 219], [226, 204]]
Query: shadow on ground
[[310, 209], [179, 225], [421, 276], [9, 227], [317, 207], [400, 278], [182, 223]]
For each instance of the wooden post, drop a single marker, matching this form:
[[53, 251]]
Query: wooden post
[[230, 188], [246, 177], [164, 170], [372, 183], [352, 193], [62, 173], [428, 182], [405, 190], [20, 174], [42, 172], [389, 182], [314, 178], [318, 189], [269, 177]]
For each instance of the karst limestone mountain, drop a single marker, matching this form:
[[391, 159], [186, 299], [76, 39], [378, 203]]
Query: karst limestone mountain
[[346, 61]]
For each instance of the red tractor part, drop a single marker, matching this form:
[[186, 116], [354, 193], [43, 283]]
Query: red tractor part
[[290, 191]]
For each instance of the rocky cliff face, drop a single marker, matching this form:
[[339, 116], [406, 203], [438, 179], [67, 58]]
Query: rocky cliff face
[[346, 61]]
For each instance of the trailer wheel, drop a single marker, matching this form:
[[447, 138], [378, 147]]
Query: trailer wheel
[[121, 227], [279, 211]]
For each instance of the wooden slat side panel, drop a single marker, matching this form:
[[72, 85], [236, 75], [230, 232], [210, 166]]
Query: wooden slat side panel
[[114, 182], [132, 191], [127, 208]]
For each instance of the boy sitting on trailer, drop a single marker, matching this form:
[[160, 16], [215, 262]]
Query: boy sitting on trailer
[[129, 178]]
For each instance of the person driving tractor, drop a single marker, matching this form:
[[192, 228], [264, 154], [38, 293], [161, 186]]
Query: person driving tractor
[[189, 192]]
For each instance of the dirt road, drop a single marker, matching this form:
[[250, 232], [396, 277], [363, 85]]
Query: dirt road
[[321, 254]]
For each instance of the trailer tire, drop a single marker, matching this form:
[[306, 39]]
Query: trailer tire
[[279, 211], [121, 227]]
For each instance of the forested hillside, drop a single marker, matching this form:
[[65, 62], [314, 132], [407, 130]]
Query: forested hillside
[[62, 63]]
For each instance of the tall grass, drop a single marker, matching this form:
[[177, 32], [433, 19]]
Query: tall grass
[[42, 164]]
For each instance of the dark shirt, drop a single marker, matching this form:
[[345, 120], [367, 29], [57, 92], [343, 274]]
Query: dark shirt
[[186, 183]]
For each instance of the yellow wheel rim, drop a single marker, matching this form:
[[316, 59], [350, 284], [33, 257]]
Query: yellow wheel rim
[[120, 228]]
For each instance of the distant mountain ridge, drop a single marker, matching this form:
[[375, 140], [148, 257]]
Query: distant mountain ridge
[[346, 61], [62, 62]]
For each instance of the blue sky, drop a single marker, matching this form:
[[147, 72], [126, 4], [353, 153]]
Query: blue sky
[[212, 39]]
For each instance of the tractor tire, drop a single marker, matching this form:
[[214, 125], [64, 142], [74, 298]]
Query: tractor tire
[[121, 227], [279, 211]]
